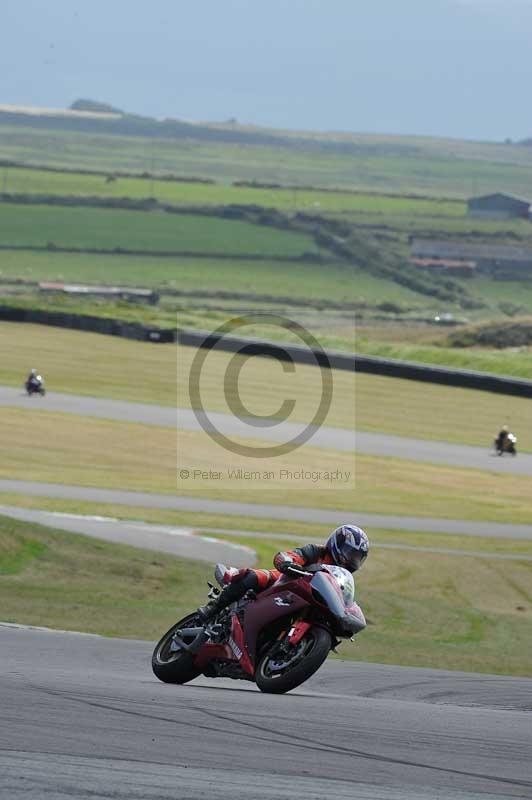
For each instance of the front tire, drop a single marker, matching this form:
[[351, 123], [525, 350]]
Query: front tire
[[314, 648], [174, 666]]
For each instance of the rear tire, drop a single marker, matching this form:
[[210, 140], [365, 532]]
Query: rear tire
[[170, 666], [316, 645]]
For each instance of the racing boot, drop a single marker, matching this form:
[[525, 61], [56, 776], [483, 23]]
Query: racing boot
[[228, 595]]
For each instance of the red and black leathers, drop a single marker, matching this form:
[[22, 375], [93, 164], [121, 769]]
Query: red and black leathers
[[237, 583]]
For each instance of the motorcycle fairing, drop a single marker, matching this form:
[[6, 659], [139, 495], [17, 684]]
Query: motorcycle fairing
[[265, 609], [232, 650], [351, 619]]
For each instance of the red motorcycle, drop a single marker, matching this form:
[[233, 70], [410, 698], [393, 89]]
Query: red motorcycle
[[277, 638]]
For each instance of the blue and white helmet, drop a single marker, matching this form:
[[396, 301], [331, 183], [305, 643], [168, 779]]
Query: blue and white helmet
[[349, 547]]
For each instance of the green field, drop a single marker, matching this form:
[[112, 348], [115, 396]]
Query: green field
[[517, 363], [42, 226], [438, 167], [328, 282], [31, 181]]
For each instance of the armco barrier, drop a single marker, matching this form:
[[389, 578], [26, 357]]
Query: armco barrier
[[85, 322], [281, 351], [352, 362]]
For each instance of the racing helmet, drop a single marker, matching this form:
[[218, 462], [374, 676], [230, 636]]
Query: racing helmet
[[348, 546]]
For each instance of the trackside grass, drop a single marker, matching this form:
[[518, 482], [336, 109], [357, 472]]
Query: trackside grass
[[74, 582], [118, 455]]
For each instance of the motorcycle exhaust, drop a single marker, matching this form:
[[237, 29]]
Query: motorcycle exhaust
[[201, 636]]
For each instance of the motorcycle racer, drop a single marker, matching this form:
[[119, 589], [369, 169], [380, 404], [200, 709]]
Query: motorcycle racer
[[346, 547]]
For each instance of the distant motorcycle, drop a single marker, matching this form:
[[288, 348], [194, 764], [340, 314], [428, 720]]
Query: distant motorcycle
[[35, 385], [277, 639], [507, 444]]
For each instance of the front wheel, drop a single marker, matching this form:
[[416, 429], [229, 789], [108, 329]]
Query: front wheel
[[169, 663], [279, 672]]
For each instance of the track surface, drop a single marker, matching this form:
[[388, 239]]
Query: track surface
[[330, 438], [165, 538], [285, 513], [83, 717]]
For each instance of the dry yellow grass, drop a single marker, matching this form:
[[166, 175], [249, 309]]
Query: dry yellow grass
[[430, 411], [103, 366], [56, 448]]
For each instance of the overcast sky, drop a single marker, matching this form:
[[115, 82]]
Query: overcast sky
[[460, 68]]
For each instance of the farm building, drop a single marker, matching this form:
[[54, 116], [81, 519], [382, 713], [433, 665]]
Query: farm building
[[498, 206], [498, 261]]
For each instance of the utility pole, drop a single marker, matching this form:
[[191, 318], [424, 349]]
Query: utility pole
[[152, 167]]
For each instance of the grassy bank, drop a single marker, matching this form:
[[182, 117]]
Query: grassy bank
[[51, 578], [424, 609]]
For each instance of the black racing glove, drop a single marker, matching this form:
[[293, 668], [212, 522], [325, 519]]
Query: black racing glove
[[285, 566]]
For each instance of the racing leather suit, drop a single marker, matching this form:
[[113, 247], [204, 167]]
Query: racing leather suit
[[238, 582]]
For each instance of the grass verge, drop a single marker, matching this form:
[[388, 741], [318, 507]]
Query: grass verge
[[72, 582]]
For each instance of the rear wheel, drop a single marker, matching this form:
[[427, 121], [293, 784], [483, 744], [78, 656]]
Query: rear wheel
[[283, 669], [171, 664]]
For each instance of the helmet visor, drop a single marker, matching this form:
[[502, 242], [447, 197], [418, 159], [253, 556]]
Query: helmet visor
[[351, 557]]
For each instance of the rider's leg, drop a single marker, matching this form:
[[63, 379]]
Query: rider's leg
[[242, 582]]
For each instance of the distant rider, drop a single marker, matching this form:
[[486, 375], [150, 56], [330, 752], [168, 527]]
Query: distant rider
[[502, 436], [346, 547], [33, 378]]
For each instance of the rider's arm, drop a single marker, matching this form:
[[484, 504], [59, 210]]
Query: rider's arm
[[302, 556]]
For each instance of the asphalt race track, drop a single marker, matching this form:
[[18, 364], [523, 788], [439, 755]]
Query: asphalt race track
[[180, 542], [284, 513], [325, 437], [83, 717]]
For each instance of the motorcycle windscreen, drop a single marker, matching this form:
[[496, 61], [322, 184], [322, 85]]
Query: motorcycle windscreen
[[349, 622], [321, 584]]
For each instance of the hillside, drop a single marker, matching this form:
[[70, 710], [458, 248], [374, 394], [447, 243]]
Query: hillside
[[422, 165], [316, 227]]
